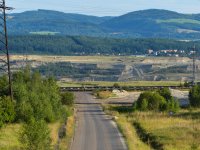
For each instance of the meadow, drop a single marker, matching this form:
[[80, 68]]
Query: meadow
[[9, 135], [153, 130], [131, 83]]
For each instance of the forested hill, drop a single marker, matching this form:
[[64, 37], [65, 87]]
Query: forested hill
[[54, 22], [82, 45], [151, 23]]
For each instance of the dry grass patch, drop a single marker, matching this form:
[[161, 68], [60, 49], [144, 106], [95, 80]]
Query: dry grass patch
[[174, 133], [178, 132], [132, 140], [66, 142], [9, 137], [104, 94], [131, 83], [54, 128]]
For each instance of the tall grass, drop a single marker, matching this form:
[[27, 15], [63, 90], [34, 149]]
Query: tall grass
[[128, 131], [70, 128], [178, 132], [131, 83], [9, 137]]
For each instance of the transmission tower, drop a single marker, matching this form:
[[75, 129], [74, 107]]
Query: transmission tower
[[4, 52], [194, 66]]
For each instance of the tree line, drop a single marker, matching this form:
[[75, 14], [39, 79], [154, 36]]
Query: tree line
[[83, 45], [37, 101]]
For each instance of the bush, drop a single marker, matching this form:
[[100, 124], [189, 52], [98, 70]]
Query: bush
[[116, 85], [1, 117], [67, 98], [194, 96], [35, 135], [4, 86], [7, 111], [150, 101], [144, 104], [173, 105], [165, 92], [154, 101], [104, 94]]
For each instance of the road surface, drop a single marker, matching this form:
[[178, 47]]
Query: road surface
[[95, 130]]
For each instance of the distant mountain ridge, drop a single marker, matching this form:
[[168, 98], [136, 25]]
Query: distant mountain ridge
[[152, 23]]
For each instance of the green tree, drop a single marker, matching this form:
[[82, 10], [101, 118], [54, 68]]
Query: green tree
[[151, 101], [1, 117], [68, 98], [173, 105], [144, 95], [194, 96], [3, 86], [35, 135], [116, 85], [7, 111], [36, 97], [165, 92], [156, 101], [144, 105]]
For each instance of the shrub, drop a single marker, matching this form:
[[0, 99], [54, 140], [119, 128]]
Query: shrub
[[35, 135], [1, 117], [144, 104], [142, 96], [67, 98], [104, 94], [116, 85], [194, 96], [173, 105], [150, 101], [165, 92], [3, 86], [7, 110], [154, 101]]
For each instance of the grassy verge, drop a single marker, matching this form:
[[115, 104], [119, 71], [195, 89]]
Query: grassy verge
[[131, 83], [181, 131], [128, 131], [9, 137], [174, 133], [54, 128], [66, 142]]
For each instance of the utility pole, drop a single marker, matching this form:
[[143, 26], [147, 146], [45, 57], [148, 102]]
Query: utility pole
[[5, 57], [194, 66]]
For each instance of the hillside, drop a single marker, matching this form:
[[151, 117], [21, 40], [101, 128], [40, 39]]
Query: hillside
[[152, 23], [41, 21], [83, 45], [155, 23]]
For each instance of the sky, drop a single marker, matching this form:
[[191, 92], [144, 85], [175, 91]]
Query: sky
[[105, 7]]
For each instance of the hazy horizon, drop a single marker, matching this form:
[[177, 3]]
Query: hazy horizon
[[102, 8]]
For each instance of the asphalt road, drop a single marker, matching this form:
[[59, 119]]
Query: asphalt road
[[94, 129]]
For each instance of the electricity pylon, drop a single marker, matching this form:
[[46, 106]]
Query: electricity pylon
[[4, 52]]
